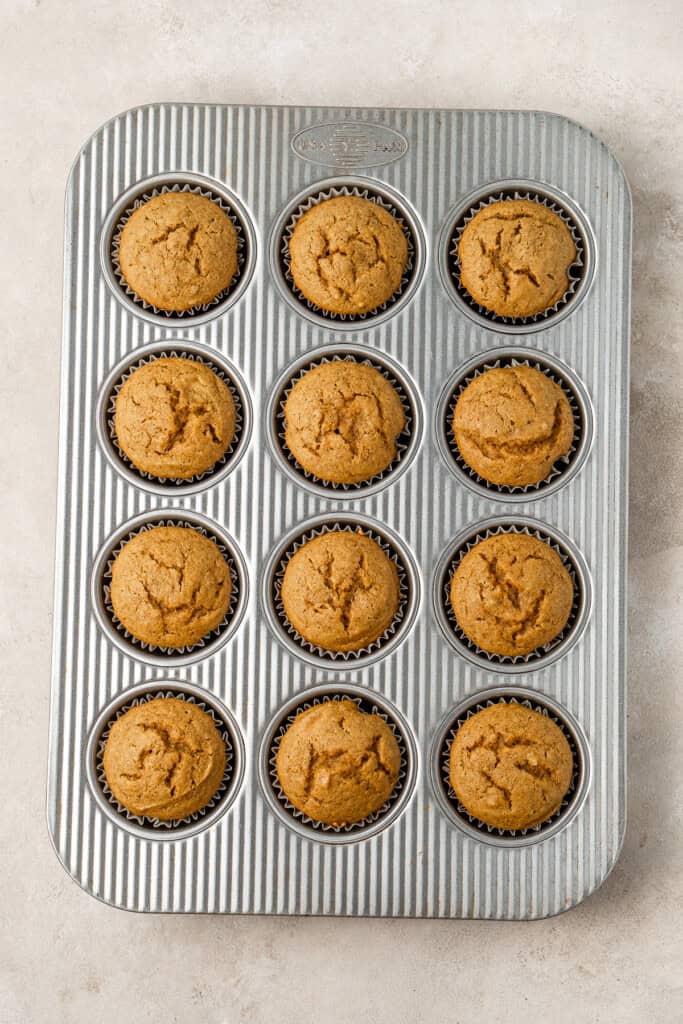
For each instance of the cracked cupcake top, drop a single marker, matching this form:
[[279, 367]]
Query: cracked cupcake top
[[337, 764], [514, 256], [510, 767], [511, 425], [511, 594], [174, 418], [164, 759], [342, 420], [340, 591], [347, 255], [170, 586], [178, 250]]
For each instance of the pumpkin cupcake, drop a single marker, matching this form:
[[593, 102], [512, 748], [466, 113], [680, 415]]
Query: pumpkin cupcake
[[347, 255], [515, 256]]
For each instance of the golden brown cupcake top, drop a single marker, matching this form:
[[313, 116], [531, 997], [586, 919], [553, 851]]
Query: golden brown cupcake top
[[164, 759], [511, 593], [170, 586], [340, 591], [511, 425], [510, 767], [347, 255], [178, 250], [514, 257], [174, 418], [342, 420], [337, 764]]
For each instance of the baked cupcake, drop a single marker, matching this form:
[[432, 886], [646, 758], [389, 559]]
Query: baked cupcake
[[342, 420], [347, 255], [511, 593], [340, 591], [164, 759], [515, 257], [512, 424], [170, 586], [178, 250], [174, 418], [336, 764], [510, 767]]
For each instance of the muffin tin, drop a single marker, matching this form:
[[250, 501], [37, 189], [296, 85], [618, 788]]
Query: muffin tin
[[420, 856]]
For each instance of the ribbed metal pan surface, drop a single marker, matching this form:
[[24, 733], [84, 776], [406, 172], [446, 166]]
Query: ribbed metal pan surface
[[250, 858]]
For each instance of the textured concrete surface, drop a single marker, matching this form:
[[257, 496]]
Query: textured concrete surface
[[66, 67]]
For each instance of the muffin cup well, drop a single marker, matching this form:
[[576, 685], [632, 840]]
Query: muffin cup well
[[563, 470], [406, 443], [408, 591], [152, 654], [580, 272], [480, 830], [365, 189], [137, 196], [179, 349], [154, 828], [541, 656], [368, 702]]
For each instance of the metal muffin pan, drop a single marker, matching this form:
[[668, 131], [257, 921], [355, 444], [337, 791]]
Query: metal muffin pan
[[420, 857]]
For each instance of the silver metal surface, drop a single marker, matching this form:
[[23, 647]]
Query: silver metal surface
[[248, 860]]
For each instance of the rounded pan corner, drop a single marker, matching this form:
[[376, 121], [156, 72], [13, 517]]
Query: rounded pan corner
[[80, 883], [584, 130], [595, 886], [84, 145], [612, 863], [138, 108]]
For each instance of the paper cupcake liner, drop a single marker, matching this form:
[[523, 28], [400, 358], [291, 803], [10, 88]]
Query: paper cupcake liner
[[402, 442], [171, 652], [140, 200], [445, 756], [403, 590], [538, 652], [177, 353], [559, 466], [361, 193], [575, 271], [155, 824], [367, 706]]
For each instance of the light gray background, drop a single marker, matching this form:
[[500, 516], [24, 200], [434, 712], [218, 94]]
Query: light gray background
[[68, 66]]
